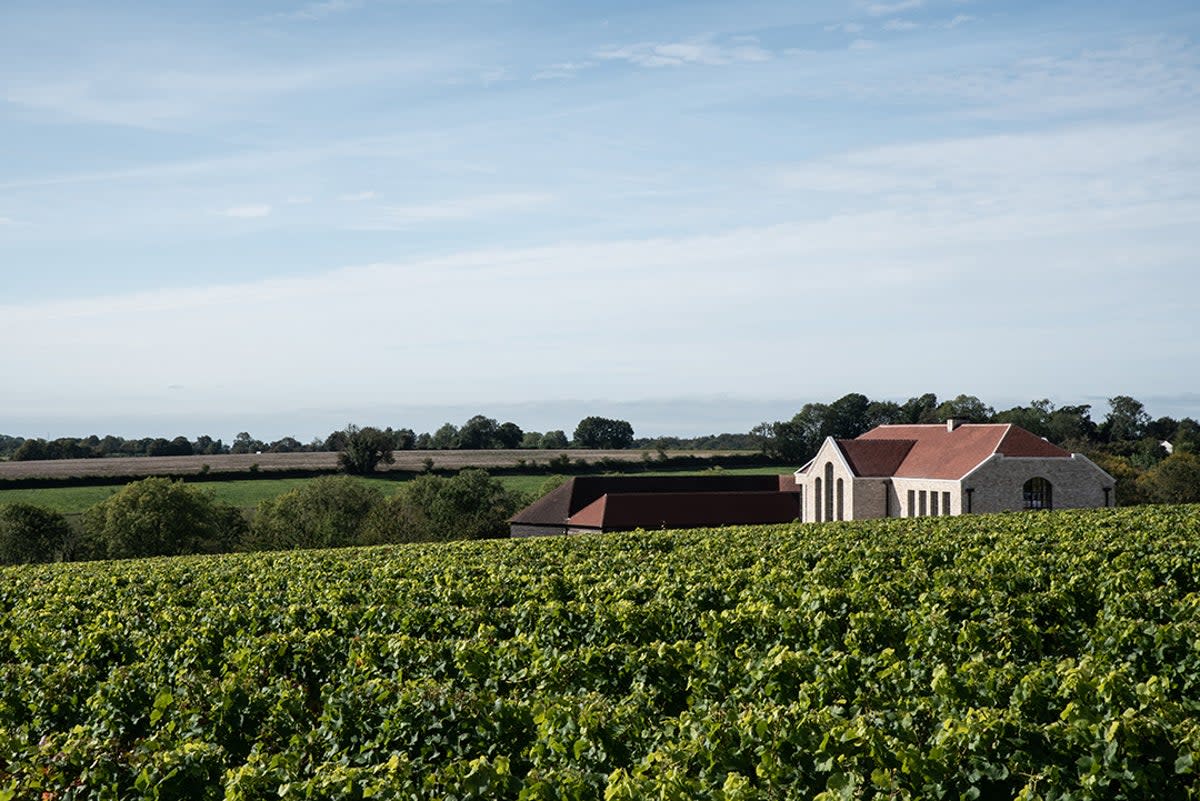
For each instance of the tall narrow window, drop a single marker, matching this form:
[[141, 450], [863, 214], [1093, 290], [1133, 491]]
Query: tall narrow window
[[933, 504], [1037, 493], [921, 503], [945, 503], [841, 500], [800, 505], [829, 490], [817, 495], [911, 509]]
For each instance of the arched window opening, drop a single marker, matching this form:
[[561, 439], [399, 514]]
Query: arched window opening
[[829, 490], [817, 501], [1038, 494], [841, 500]]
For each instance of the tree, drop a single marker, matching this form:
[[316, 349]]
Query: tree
[[326, 512], [404, 439], [445, 437], [1126, 420], [33, 534], [478, 433], [965, 407], [846, 417], [286, 445], [430, 508], [1175, 479], [364, 449], [244, 443], [509, 435], [554, 440], [921, 409], [157, 517], [31, 450], [883, 413], [603, 433], [1071, 424]]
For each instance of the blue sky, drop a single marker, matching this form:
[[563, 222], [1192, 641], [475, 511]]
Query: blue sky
[[287, 216]]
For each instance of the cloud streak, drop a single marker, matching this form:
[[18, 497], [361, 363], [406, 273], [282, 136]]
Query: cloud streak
[[250, 212], [465, 208], [703, 51]]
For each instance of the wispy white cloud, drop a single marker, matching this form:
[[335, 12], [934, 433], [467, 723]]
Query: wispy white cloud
[[152, 92], [884, 9], [900, 25], [846, 27], [318, 10], [959, 19], [703, 51], [7, 221], [862, 44], [562, 70], [1016, 186], [248, 212], [299, 200], [369, 194], [1154, 74], [461, 209]]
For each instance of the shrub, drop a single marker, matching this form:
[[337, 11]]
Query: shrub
[[470, 505], [33, 534], [1175, 479], [326, 512], [158, 517]]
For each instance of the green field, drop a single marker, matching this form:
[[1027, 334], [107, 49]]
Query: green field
[[1033, 656], [248, 493]]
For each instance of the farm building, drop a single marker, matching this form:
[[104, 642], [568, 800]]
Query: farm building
[[950, 469], [624, 503]]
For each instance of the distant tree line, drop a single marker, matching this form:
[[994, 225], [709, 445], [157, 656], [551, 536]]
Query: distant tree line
[[161, 517], [478, 433]]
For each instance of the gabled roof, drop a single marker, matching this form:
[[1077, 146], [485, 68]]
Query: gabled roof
[[553, 508], [933, 451], [623, 511], [880, 457]]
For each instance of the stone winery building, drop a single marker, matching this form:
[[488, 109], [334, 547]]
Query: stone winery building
[[945, 469], [890, 471]]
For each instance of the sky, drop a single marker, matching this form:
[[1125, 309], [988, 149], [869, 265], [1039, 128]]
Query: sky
[[287, 216]]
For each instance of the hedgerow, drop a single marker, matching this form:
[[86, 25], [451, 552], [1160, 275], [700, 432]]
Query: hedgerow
[[1051, 655]]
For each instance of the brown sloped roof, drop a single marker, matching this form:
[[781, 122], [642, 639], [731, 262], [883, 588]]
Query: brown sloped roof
[[877, 457], [1019, 442], [623, 511], [941, 454], [555, 507], [552, 509]]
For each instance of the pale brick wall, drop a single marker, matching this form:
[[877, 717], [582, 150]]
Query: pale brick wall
[[828, 454], [902, 486], [1077, 483]]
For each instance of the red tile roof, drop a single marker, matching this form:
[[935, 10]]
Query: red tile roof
[[623, 511], [935, 452], [880, 457]]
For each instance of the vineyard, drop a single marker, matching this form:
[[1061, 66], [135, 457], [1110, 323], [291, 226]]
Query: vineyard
[[1052, 655]]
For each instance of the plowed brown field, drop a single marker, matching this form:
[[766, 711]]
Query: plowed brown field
[[267, 462]]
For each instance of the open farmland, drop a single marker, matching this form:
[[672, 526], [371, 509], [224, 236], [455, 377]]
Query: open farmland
[[324, 460], [247, 493], [1023, 655]]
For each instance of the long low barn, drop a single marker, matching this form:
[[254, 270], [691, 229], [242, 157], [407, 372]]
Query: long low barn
[[624, 503]]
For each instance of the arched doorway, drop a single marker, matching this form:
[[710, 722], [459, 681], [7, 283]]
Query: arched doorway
[[1038, 494]]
